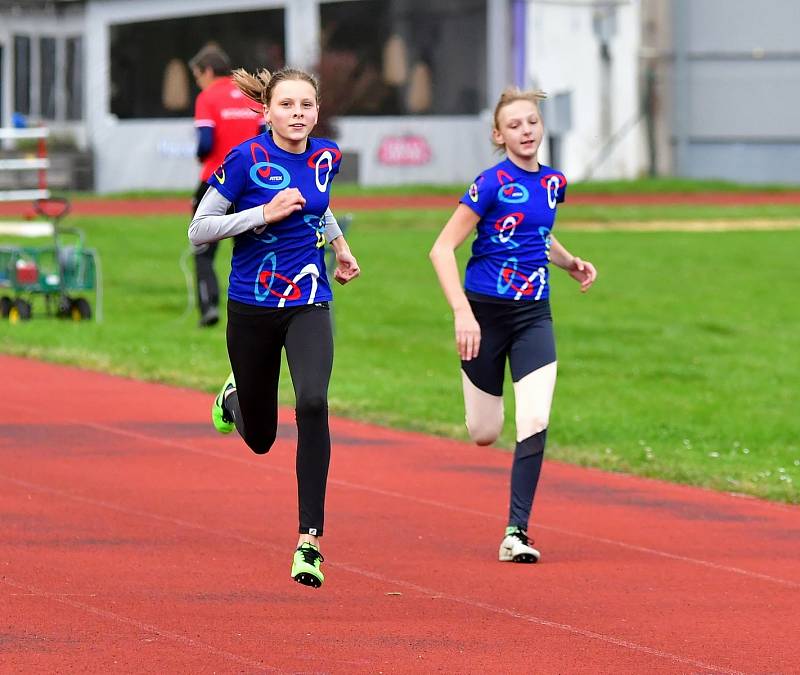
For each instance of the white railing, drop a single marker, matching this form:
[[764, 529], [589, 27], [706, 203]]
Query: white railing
[[38, 163], [23, 195], [8, 133], [23, 163]]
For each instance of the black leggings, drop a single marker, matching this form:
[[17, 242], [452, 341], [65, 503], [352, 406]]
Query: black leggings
[[522, 334], [256, 336]]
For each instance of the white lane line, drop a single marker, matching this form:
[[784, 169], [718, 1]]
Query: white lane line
[[430, 502], [544, 622], [450, 507], [610, 639], [147, 627], [580, 535]]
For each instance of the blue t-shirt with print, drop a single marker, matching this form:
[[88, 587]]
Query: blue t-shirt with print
[[512, 248], [283, 266]]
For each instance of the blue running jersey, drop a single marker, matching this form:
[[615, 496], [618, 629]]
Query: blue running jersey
[[512, 247], [283, 266]]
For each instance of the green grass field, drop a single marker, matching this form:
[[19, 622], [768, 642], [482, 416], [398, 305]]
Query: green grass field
[[658, 185], [682, 362]]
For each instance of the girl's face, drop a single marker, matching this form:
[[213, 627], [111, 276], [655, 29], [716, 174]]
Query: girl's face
[[519, 128], [292, 112]]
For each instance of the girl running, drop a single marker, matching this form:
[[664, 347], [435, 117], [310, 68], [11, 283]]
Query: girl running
[[503, 311], [278, 184]]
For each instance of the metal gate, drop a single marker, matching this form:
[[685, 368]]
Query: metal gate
[[736, 90]]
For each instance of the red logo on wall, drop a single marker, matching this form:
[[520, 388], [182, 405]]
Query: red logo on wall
[[404, 151]]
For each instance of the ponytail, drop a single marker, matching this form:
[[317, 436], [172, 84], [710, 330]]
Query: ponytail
[[253, 86], [259, 87]]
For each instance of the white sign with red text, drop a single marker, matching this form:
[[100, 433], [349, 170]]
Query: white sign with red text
[[406, 150]]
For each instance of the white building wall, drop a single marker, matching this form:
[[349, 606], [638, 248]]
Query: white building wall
[[159, 154], [458, 148], [564, 57], [141, 154]]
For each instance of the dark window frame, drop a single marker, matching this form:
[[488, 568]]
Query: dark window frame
[[60, 70], [73, 75], [48, 77], [444, 43], [22, 73], [140, 51]]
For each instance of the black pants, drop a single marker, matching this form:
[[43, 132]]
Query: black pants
[[520, 333], [256, 337], [206, 279]]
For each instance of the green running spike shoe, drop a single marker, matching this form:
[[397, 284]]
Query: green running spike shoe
[[221, 421], [306, 566]]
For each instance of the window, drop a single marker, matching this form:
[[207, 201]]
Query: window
[[143, 55], [47, 79], [74, 77], [22, 74], [60, 77], [394, 57]]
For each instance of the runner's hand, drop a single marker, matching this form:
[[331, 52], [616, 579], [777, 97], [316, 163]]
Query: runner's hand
[[584, 272], [468, 334], [347, 268], [284, 204]]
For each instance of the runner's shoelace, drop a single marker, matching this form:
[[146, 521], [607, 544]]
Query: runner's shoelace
[[519, 534], [310, 555]]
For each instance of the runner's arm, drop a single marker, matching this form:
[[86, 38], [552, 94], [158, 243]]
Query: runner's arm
[[581, 270], [332, 229], [210, 222], [205, 142], [443, 256]]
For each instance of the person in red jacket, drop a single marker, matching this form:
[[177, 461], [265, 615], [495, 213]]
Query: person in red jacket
[[223, 118]]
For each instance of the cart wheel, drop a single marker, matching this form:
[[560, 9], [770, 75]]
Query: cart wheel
[[80, 310], [5, 306], [64, 307], [20, 311]]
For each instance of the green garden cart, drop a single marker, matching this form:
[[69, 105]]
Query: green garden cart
[[61, 273]]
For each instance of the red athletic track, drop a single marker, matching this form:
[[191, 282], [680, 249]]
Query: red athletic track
[[120, 207], [135, 539]]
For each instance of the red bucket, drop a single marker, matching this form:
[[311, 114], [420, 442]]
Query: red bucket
[[27, 272]]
